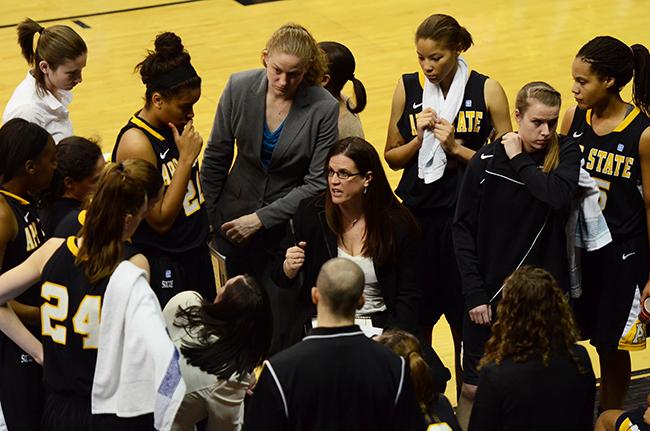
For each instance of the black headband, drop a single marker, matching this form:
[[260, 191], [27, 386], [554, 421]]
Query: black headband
[[181, 73]]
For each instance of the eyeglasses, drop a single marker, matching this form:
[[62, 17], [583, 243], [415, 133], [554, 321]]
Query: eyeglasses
[[342, 175]]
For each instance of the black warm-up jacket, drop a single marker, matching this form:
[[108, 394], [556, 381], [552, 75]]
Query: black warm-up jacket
[[510, 213]]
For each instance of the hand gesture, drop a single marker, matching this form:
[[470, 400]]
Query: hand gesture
[[481, 315], [241, 229], [294, 259], [512, 143], [189, 143], [426, 120], [444, 132]]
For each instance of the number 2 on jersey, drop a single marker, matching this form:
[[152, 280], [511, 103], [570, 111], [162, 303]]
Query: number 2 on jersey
[[194, 196], [85, 321]]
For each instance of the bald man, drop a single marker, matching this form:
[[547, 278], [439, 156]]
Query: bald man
[[336, 378]]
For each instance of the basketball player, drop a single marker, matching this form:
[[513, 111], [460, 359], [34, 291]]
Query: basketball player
[[27, 163], [439, 41], [174, 237], [615, 137]]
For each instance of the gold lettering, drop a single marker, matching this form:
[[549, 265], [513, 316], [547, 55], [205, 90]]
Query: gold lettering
[[413, 122], [629, 161], [607, 169], [470, 120], [619, 161], [601, 156], [461, 127], [591, 159], [477, 121], [167, 179]]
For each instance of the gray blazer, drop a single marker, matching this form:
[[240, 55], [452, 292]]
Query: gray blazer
[[296, 168]]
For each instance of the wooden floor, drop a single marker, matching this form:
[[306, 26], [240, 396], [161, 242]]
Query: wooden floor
[[515, 42]]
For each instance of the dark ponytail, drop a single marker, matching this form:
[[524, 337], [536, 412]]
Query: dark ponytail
[[641, 87], [609, 57], [340, 68]]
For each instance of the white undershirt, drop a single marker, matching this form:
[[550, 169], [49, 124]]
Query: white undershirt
[[45, 110], [372, 294]]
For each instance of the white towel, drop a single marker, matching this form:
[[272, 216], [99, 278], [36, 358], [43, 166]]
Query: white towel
[[431, 157], [586, 228], [137, 369]]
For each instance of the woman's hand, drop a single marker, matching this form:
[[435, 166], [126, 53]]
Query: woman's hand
[[444, 132], [481, 315], [512, 143], [294, 259], [241, 229], [426, 120], [189, 143]]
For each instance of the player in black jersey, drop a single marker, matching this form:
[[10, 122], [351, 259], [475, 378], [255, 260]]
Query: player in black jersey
[[74, 274], [439, 41], [27, 163], [79, 163], [615, 138], [174, 237]]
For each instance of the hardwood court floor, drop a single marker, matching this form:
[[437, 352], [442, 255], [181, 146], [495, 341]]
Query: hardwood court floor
[[515, 42]]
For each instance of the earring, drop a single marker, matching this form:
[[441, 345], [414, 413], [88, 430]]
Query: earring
[[365, 189]]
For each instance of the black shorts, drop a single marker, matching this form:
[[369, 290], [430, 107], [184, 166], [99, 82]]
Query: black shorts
[[21, 387], [474, 339], [612, 280], [175, 273], [441, 287], [628, 420], [73, 413]]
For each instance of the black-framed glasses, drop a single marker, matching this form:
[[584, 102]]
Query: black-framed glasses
[[342, 175]]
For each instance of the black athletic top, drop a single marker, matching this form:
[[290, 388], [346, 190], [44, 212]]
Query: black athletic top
[[190, 230], [511, 213], [53, 214], [30, 237], [71, 224], [632, 420], [613, 162], [335, 379], [473, 125], [70, 317]]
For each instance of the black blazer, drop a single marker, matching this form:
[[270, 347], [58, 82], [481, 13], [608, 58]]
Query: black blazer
[[399, 282]]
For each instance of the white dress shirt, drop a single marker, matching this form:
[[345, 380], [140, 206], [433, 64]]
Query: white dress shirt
[[45, 110]]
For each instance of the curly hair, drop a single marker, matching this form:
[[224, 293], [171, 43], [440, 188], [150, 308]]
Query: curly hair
[[534, 320]]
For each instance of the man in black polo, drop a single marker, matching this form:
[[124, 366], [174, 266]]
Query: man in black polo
[[336, 378]]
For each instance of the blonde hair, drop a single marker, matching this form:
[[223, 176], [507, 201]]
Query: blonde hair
[[294, 39], [549, 96]]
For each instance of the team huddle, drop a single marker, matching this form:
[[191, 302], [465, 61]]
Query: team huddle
[[526, 242]]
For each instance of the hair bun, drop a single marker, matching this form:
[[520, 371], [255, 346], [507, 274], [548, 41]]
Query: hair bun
[[168, 45]]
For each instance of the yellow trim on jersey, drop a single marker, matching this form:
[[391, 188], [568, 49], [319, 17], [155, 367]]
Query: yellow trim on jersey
[[628, 119], [626, 425], [623, 124], [71, 242], [81, 218], [18, 198], [138, 122]]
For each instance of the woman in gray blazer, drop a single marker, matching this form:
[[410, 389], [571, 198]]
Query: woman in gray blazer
[[282, 122]]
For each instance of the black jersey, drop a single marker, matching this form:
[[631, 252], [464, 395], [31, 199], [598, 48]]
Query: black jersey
[[54, 213], [472, 124], [70, 317], [190, 229], [613, 162], [30, 237]]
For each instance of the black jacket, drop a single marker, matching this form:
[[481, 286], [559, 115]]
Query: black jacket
[[510, 213], [399, 281], [531, 396]]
